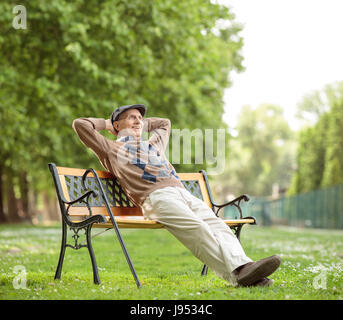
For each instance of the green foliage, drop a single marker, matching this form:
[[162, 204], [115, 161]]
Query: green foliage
[[320, 151], [84, 58], [261, 154], [310, 157]]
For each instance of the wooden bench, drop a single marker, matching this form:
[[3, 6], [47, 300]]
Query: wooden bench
[[90, 198]]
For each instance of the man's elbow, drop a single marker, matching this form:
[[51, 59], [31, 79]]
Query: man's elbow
[[167, 124], [79, 124], [75, 124]]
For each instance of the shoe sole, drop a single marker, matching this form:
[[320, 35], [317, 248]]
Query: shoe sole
[[261, 270], [263, 283]]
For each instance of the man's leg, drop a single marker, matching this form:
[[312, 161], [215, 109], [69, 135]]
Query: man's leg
[[232, 251], [206, 236], [247, 273]]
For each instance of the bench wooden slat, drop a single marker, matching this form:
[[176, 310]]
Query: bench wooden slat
[[79, 172], [105, 174], [140, 222], [117, 211], [200, 178], [64, 187]]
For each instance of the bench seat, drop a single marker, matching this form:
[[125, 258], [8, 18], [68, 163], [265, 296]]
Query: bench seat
[[142, 223]]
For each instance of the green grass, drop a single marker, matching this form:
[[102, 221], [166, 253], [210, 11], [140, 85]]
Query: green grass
[[311, 258]]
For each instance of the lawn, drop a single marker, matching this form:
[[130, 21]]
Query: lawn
[[312, 266]]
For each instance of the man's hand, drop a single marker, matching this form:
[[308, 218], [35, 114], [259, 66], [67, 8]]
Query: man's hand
[[110, 127]]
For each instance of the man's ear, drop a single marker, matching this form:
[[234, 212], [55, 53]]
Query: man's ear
[[116, 125]]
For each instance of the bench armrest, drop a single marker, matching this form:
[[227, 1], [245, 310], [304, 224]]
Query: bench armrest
[[235, 202], [92, 219], [86, 195], [232, 202]]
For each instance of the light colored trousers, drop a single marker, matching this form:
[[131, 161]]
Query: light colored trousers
[[193, 223]]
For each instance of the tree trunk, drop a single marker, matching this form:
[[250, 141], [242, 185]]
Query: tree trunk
[[32, 205], [24, 191], [50, 206], [11, 199], [3, 218]]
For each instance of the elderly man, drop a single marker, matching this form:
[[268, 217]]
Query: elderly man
[[150, 181]]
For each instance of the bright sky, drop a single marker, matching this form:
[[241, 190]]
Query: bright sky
[[291, 48]]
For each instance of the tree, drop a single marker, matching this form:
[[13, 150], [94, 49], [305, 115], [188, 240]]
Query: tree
[[310, 157], [333, 173], [84, 58], [262, 153], [320, 150]]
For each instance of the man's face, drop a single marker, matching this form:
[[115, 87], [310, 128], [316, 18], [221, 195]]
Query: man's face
[[131, 122]]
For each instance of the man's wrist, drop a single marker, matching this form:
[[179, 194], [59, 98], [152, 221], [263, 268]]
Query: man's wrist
[[109, 125], [146, 125]]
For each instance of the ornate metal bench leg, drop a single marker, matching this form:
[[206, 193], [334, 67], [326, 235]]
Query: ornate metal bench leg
[[204, 270], [62, 252], [238, 232], [96, 277]]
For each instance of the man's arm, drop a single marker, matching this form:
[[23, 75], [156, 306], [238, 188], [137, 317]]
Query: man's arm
[[87, 130], [160, 128]]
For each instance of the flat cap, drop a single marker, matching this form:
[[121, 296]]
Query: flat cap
[[116, 113]]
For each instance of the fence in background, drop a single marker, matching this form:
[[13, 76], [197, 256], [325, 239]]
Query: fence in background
[[322, 208]]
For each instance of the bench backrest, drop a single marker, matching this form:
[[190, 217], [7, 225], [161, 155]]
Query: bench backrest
[[68, 185]]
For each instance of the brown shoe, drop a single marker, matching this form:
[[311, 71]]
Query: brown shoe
[[265, 282], [253, 272]]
